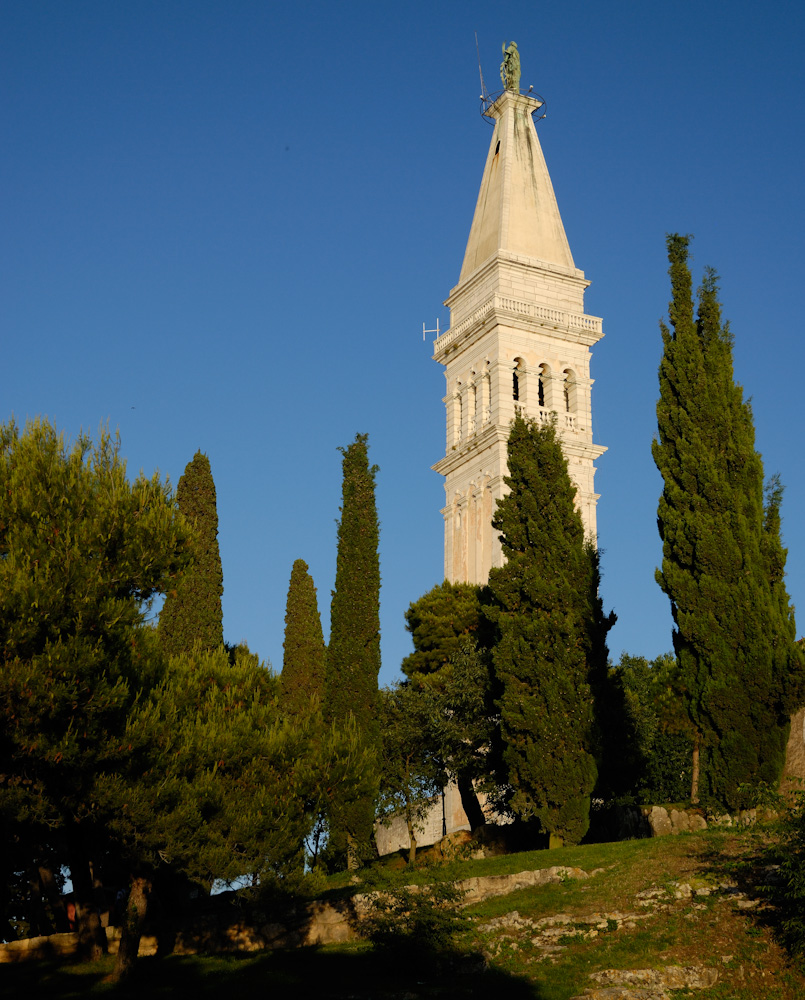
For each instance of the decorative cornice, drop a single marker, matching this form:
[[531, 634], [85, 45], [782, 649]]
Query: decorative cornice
[[459, 455], [572, 324]]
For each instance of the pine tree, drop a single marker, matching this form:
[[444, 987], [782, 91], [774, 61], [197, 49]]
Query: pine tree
[[82, 552], [218, 782], [723, 562], [192, 611], [439, 623], [353, 653], [550, 652], [303, 657]]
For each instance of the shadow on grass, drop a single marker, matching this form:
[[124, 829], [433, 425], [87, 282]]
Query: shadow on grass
[[758, 872], [358, 973]]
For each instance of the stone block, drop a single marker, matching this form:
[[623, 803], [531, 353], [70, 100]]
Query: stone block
[[680, 821], [659, 821]]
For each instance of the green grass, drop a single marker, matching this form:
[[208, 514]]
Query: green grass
[[704, 930]]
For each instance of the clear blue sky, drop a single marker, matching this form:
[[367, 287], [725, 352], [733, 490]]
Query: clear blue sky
[[223, 225]]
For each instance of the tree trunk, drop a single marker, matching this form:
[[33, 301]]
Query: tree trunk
[[54, 898], [132, 930], [38, 919], [353, 861], [694, 783], [469, 801], [98, 894], [91, 936], [554, 841], [411, 838]]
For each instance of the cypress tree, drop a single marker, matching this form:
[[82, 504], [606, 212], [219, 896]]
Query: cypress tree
[[353, 653], [192, 611], [723, 562], [550, 652], [303, 650]]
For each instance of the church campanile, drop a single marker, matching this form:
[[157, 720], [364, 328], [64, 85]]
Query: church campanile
[[518, 341]]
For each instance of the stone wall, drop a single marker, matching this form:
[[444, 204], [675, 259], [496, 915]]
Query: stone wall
[[315, 923], [633, 822], [305, 925]]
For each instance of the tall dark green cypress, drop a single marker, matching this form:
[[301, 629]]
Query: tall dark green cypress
[[723, 562], [303, 650], [353, 653], [192, 611], [550, 653]]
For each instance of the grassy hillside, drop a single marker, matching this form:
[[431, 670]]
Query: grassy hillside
[[694, 900]]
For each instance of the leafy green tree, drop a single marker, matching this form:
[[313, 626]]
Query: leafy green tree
[[451, 668], [723, 562], [353, 653], [550, 653], [439, 622], [655, 734], [462, 720], [411, 771], [82, 552], [303, 651], [192, 610], [220, 782]]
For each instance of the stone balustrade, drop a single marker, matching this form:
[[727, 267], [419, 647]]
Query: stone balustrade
[[504, 304]]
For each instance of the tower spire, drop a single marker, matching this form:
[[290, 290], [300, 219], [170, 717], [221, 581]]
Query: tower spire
[[516, 211]]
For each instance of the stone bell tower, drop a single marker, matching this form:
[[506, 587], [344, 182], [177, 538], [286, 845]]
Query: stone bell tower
[[518, 341]]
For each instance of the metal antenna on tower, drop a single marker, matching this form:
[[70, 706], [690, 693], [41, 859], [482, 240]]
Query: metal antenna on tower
[[437, 331], [484, 94]]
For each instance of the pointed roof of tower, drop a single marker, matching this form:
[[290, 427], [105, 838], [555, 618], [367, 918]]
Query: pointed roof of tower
[[516, 210]]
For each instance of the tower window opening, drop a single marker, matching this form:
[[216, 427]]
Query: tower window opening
[[517, 387], [544, 391], [497, 148]]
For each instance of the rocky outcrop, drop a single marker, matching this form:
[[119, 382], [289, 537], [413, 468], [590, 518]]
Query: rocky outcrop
[[648, 984], [551, 935], [476, 890]]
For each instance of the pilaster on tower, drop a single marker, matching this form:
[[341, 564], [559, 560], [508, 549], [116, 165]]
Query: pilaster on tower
[[518, 341]]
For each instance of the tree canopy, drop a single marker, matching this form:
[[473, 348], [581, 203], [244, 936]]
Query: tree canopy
[[723, 562], [82, 552], [353, 652], [303, 650], [439, 622], [550, 649], [192, 611]]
